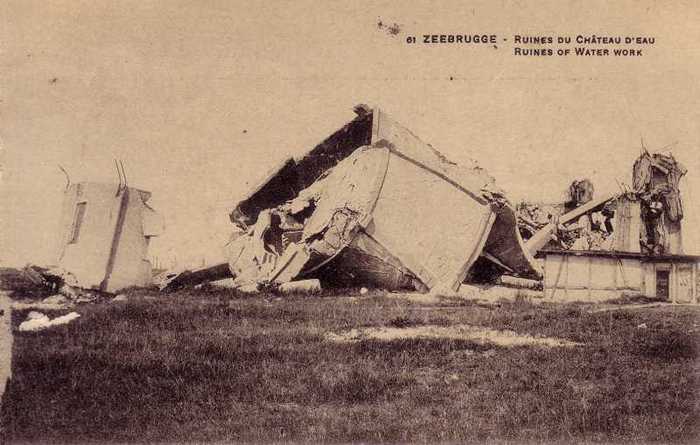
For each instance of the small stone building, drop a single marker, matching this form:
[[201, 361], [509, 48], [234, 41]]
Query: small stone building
[[586, 275]]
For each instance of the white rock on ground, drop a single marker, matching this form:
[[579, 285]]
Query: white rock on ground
[[301, 286], [55, 299], [36, 321]]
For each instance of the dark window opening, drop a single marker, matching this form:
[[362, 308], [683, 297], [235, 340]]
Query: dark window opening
[[77, 222], [662, 283]]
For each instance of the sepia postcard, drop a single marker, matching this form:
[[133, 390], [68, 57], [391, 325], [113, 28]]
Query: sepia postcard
[[349, 221]]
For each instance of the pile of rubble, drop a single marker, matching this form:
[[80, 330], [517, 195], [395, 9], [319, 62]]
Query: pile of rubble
[[533, 217], [645, 218], [52, 284], [101, 245], [360, 209], [370, 206], [567, 227], [656, 179]]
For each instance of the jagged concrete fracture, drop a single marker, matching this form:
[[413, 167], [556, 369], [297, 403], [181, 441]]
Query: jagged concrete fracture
[[373, 205], [656, 178], [104, 234]]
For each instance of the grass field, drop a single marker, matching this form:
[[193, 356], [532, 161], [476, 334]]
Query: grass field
[[215, 366]]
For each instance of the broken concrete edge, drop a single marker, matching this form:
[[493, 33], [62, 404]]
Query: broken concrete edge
[[284, 182], [34, 281], [312, 286], [104, 233], [296, 178], [542, 237], [520, 283], [170, 281], [645, 217], [220, 272], [656, 185], [301, 258]]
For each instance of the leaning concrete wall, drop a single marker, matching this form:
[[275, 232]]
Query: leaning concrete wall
[[131, 264], [433, 237], [87, 238], [447, 211], [85, 249], [427, 219]]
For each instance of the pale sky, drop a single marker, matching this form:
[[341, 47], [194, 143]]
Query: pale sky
[[199, 99]]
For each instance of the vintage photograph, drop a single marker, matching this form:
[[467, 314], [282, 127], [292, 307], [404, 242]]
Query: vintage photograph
[[349, 222]]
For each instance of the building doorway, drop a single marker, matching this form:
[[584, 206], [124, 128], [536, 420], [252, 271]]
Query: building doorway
[[662, 284]]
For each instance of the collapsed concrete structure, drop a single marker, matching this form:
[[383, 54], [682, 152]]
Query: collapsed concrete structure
[[656, 179], [373, 205], [102, 244], [104, 234], [627, 243], [589, 226], [646, 218]]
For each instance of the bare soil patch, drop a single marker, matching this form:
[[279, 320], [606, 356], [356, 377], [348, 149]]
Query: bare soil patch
[[504, 338]]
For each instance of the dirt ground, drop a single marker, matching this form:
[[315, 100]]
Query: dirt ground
[[455, 332]]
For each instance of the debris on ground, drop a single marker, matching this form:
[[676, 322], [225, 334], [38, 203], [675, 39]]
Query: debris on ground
[[520, 283], [33, 282], [586, 227], [55, 299], [476, 334], [360, 209], [312, 286], [54, 302], [418, 298], [643, 218], [104, 233], [495, 294], [38, 305], [103, 237], [252, 288], [30, 282], [173, 280], [37, 321]]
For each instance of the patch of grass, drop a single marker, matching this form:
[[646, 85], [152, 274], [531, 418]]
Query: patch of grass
[[664, 344], [213, 365], [404, 322], [635, 299]]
